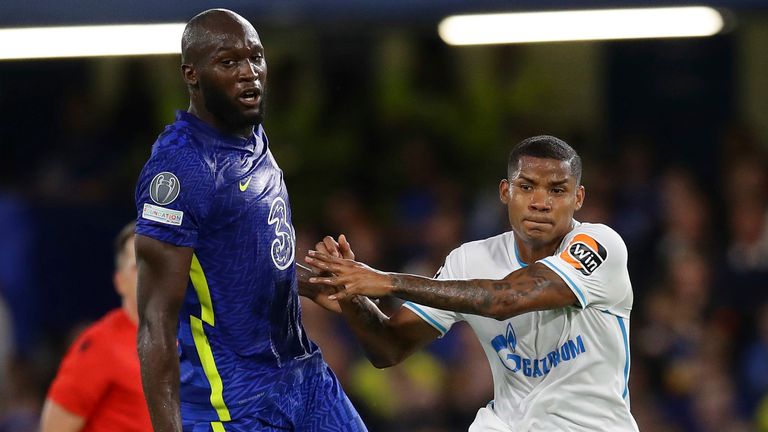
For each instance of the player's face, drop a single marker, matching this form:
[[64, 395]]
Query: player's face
[[232, 77], [125, 278], [541, 198]]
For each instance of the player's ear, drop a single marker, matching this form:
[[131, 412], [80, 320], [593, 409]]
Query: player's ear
[[504, 191], [580, 194], [189, 74]]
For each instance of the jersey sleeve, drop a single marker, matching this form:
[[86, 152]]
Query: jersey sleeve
[[82, 379], [173, 196], [440, 319], [594, 265]]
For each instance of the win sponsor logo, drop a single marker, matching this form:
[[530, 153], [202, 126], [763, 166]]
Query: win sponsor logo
[[537, 367], [584, 254]]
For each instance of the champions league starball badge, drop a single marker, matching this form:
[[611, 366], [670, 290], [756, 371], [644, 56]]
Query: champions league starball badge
[[165, 188]]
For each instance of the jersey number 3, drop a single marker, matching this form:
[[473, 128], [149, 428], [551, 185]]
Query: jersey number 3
[[283, 246]]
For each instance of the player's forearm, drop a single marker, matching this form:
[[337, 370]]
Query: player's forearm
[[302, 275], [500, 299], [56, 418], [381, 342], [160, 375]]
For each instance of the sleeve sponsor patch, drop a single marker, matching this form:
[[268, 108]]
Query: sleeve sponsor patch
[[162, 215], [584, 254]]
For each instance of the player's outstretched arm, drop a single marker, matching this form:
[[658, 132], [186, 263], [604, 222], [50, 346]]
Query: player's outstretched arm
[[386, 340], [163, 273], [532, 288]]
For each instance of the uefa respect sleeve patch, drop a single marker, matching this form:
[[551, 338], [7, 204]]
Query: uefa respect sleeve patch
[[585, 254], [162, 215]]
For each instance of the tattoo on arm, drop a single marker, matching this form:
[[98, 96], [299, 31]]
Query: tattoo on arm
[[532, 288]]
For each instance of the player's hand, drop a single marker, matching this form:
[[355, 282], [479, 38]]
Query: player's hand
[[316, 292], [332, 247], [355, 277], [319, 293]]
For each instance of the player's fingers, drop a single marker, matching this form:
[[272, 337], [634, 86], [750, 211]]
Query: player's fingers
[[328, 280], [317, 263], [320, 246], [340, 295], [331, 246], [324, 257], [346, 248]]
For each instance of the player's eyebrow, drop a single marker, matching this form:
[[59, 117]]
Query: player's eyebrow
[[557, 182]]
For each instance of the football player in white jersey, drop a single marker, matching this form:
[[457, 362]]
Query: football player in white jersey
[[549, 300]]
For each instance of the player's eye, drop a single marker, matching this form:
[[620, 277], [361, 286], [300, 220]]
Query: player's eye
[[558, 191], [228, 62], [526, 187]]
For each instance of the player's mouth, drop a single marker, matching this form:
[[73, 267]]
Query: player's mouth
[[536, 222], [250, 97]]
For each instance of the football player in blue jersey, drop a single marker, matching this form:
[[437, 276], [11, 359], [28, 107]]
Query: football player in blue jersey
[[220, 342]]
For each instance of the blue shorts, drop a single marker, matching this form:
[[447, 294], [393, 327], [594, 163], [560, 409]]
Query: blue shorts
[[306, 399]]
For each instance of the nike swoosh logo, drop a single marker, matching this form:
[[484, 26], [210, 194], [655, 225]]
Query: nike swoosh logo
[[244, 186]]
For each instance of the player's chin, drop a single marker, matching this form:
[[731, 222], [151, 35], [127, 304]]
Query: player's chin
[[538, 233], [252, 116]]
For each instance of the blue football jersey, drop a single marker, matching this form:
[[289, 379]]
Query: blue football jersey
[[240, 323]]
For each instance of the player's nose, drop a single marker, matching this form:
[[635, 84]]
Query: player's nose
[[249, 71], [540, 200]]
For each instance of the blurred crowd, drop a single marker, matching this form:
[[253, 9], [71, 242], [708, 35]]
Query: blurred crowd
[[405, 196]]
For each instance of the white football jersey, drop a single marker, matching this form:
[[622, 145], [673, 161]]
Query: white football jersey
[[555, 370]]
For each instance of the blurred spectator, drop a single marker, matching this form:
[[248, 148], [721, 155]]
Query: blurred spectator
[[468, 382], [715, 405], [674, 326], [344, 213], [636, 196], [22, 410], [98, 386], [746, 198], [441, 233], [16, 275], [685, 216], [748, 248], [6, 350], [403, 398], [755, 362]]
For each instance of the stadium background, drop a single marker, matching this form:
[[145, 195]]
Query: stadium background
[[398, 140]]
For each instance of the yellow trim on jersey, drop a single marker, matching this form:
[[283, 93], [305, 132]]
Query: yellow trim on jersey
[[201, 288], [204, 351], [217, 427], [209, 367]]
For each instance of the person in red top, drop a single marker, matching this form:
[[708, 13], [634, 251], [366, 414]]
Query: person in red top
[[98, 385]]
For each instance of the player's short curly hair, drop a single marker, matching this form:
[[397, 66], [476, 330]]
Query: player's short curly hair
[[546, 147]]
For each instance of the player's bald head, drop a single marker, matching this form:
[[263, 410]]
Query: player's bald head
[[206, 28]]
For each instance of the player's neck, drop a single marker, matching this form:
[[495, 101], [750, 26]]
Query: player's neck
[[132, 313], [529, 252], [244, 132]]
